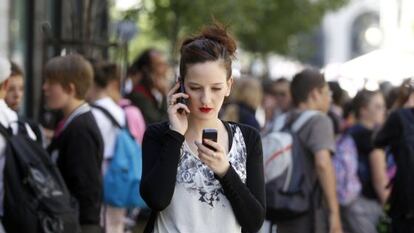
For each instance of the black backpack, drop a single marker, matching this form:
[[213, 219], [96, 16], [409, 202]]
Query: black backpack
[[36, 198], [402, 196]]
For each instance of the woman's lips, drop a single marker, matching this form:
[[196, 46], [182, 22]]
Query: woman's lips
[[205, 110]]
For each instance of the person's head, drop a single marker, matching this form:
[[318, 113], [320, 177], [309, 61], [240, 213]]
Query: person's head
[[369, 107], [5, 70], [67, 78], [348, 115], [249, 92], [107, 79], [15, 91], [308, 88], [405, 97], [149, 66], [205, 68], [281, 89], [269, 101], [339, 96]]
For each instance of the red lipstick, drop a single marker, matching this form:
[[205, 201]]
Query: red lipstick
[[205, 109]]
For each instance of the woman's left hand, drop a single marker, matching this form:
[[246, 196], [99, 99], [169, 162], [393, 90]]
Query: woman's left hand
[[217, 160]]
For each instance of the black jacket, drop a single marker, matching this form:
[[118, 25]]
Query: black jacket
[[80, 153]]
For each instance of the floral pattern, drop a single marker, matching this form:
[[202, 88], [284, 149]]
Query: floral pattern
[[198, 178]]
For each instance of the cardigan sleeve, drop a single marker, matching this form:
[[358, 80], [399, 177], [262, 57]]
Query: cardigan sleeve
[[248, 200], [160, 156]]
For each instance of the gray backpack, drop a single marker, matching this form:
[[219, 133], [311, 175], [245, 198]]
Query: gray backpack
[[288, 187]]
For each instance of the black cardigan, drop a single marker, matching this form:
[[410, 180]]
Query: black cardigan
[[161, 151], [80, 149]]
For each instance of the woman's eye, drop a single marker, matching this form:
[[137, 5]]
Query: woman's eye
[[216, 89], [194, 88]]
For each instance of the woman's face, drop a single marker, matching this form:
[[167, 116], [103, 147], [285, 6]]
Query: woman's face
[[375, 110], [15, 92], [207, 86], [56, 96], [159, 64]]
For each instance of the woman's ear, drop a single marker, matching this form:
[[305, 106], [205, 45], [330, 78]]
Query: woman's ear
[[229, 86]]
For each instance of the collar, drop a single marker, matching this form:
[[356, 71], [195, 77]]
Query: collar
[[78, 111]]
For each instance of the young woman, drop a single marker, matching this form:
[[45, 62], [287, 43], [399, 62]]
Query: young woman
[[189, 187], [370, 111]]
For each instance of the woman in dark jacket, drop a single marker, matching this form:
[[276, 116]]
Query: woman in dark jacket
[[192, 188]]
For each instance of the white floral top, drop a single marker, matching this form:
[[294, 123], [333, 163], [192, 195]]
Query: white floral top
[[199, 204]]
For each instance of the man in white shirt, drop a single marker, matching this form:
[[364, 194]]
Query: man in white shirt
[[7, 116]]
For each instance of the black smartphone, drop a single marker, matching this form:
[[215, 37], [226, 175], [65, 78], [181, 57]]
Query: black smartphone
[[181, 100], [210, 134]]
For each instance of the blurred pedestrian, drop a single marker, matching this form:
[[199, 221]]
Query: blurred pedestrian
[[105, 93], [279, 97], [7, 116], [246, 99], [190, 187], [365, 212], [397, 133], [105, 75], [14, 98], [77, 146], [150, 85], [310, 92]]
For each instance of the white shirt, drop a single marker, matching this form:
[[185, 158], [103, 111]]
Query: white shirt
[[107, 129]]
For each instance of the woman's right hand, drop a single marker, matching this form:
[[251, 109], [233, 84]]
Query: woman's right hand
[[178, 121]]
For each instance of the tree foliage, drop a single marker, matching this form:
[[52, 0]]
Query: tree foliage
[[261, 26]]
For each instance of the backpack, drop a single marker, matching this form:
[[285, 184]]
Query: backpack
[[123, 177], [348, 186], [36, 197], [402, 195], [288, 188]]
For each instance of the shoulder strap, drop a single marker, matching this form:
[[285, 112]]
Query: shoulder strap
[[107, 114], [302, 119], [230, 132], [5, 131]]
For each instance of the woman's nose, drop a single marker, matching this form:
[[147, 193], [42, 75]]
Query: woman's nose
[[206, 97]]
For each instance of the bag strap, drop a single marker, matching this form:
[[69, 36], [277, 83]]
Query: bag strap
[[230, 133], [6, 132], [302, 119], [108, 115]]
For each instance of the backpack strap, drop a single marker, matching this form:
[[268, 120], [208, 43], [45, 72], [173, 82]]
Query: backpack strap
[[108, 115], [302, 119], [6, 132]]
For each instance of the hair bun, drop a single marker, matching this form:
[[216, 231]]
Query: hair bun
[[219, 34]]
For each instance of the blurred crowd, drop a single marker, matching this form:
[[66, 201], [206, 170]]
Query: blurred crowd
[[365, 159]]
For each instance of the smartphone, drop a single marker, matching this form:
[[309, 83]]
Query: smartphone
[[181, 100], [210, 134]]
